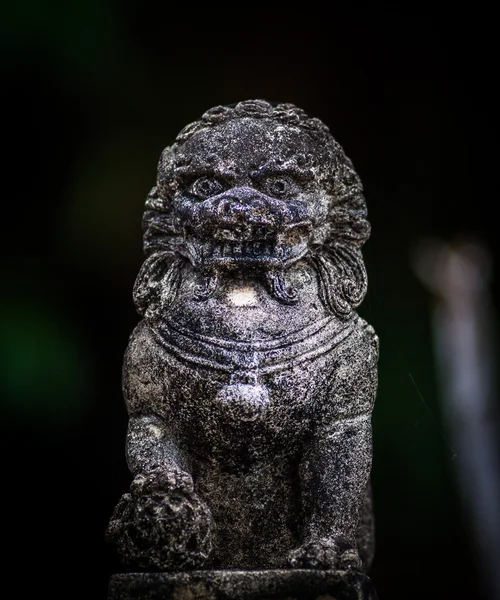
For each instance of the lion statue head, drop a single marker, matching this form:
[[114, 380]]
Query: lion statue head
[[258, 186]]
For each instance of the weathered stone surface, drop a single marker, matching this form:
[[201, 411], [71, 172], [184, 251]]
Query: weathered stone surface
[[250, 380], [242, 585]]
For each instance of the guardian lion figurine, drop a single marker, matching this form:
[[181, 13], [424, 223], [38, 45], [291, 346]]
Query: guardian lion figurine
[[250, 380]]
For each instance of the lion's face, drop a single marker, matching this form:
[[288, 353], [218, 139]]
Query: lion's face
[[259, 187], [249, 192]]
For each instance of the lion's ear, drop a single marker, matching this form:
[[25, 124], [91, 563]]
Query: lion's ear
[[160, 234], [342, 279], [158, 278]]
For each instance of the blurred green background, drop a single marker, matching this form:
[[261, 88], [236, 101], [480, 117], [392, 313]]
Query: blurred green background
[[92, 92]]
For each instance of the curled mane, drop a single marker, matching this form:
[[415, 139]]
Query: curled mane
[[337, 257], [335, 248]]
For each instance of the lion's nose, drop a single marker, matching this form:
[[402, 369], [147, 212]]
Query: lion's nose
[[245, 205], [230, 207]]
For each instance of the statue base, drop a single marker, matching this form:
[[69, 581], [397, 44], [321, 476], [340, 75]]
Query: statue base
[[281, 584]]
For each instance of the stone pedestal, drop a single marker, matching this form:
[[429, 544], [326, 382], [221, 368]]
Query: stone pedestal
[[242, 585]]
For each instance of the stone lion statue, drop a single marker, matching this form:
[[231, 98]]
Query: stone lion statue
[[250, 380]]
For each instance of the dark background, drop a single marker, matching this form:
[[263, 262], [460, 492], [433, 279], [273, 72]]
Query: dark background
[[92, 92]]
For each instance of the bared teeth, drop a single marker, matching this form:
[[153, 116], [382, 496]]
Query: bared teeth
[[252, 250]]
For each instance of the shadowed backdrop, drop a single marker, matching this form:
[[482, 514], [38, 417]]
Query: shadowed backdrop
[[93, 91]]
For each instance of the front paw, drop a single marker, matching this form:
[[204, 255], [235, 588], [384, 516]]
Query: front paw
[[325, 553], [160, 482], [162, 524]]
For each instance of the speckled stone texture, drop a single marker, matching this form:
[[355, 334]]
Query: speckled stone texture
[[243, 585], [250, 380]]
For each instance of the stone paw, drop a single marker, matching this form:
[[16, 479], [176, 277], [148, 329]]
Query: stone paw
[[160, 482], [325, 553], [162, 524], [350, 559]]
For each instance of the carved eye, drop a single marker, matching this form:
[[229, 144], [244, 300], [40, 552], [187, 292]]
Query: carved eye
[[204, 187], [281, 186]]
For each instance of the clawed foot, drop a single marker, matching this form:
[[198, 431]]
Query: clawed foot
[[160, 482], [162, 523], [325, 553]]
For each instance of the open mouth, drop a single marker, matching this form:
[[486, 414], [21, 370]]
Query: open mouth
[[264, 252]]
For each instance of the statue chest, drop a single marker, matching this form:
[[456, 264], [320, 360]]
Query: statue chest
[[220, 390]]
